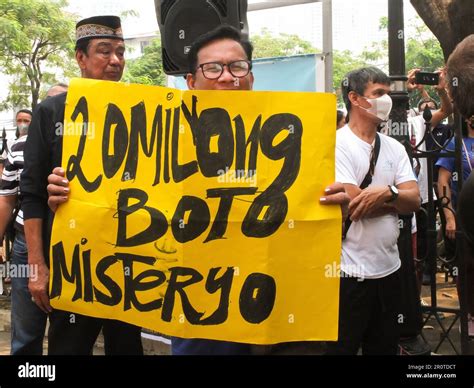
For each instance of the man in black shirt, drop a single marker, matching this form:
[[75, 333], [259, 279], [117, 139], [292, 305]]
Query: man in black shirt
[[100, 55]]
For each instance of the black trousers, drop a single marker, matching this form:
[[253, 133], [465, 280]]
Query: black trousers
[[75, 334], [369, 316]]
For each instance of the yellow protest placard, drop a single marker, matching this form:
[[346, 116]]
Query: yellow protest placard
[[197, 214]]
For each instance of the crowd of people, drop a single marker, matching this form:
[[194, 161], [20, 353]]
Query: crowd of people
[[375, 182]]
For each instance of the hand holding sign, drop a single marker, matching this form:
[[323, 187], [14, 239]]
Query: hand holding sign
[[58, 188], [229, 179]]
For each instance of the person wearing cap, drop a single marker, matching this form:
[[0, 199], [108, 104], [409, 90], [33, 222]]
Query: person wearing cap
[[100, 55]]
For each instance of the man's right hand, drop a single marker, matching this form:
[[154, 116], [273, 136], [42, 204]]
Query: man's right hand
[[38, 287], [58, 189], [411, 81]]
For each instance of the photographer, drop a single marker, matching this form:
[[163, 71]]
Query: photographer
[[417, 128]]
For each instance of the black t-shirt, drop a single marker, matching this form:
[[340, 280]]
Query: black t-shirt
[[43, 152]]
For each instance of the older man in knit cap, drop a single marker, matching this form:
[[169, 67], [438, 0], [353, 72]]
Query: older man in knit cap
[[100, 55]]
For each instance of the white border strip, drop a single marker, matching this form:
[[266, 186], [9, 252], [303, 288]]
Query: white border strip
[[157, 338]]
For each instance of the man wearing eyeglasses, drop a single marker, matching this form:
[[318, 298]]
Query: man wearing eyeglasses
[[221, 64], [222, 60], [379, 179], [218, 60]]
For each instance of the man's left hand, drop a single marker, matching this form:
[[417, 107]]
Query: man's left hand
[[368, 201], [335, 194]]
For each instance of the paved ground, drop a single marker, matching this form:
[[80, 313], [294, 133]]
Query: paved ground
[[446, 296]]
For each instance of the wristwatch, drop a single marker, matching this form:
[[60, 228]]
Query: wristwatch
[[394, 192]]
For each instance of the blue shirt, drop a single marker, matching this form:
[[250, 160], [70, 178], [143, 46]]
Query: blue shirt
[[449, 164]]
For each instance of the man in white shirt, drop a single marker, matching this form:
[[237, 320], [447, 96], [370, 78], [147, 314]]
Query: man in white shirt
[[369, 305]]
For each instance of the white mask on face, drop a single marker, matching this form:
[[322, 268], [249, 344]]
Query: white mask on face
[[380, 107], [23, 128]]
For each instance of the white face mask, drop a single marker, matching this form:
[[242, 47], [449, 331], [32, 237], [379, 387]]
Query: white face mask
[[23, 128], [380, 107]]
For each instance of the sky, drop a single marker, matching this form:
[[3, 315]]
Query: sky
[[355, 23]]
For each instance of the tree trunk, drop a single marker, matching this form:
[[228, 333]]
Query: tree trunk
[[34, 98], [449, 20]]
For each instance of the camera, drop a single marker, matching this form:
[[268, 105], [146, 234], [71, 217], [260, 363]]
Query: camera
[[426, 78]]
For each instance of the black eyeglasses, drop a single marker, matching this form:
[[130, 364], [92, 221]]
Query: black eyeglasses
[[213, 70]]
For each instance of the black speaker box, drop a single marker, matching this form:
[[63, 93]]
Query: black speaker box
[[182, 21]]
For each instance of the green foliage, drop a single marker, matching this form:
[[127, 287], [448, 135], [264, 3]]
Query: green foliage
[[267, 45], [19, 93], [344, 62], [36, 39], [424, 52], [148, 69], [383, 23]]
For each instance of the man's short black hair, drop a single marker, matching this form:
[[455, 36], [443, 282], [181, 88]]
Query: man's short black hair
[[83, 45], [357, 81], [219, 33], [24, 111]]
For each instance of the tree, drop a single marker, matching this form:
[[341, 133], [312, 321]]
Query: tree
[[422, 50], [36, 39], [148, 69], [449, 20], [267, 45], [344, 62]]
